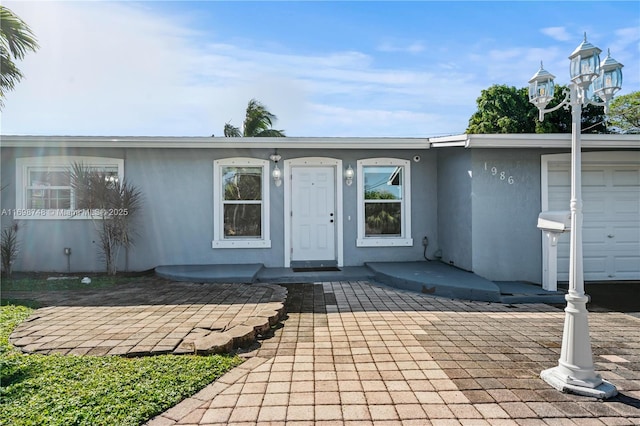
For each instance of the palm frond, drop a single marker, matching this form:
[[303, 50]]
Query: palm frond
[[258, 119], [231, 131], [15, 35], [16, 38], [258, 122]]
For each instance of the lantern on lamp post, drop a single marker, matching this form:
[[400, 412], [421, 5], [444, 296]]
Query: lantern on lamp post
[[541, 89], [609, 80], [575, 372], [585, 64]]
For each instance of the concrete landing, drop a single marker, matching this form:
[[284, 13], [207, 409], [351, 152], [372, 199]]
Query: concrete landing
[[443, 280], [434, 278], [437, 279], [519, 292], [244, 273]]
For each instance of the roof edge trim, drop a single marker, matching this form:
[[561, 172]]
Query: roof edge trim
[[211, 142]]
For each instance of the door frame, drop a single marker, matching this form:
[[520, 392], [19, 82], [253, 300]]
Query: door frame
[[288, 202]]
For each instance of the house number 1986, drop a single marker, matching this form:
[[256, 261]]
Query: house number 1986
[[499, 173]]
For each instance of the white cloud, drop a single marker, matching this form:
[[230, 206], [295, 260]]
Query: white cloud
[[514, 66], [339, 121], [128, 68], [557, 33], [628, 36], [116, 68], [413, 47], [100, 67]]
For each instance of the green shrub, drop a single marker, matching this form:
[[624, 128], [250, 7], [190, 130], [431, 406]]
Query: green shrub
[[9, 247]]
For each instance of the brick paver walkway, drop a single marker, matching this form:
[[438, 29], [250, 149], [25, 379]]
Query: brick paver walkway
[[354, 353], [151, 317]]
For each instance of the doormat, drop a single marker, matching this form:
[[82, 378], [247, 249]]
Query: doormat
[[317, 269]]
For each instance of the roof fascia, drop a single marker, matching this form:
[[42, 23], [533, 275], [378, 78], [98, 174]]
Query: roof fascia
[[537, 140], [211, 143]]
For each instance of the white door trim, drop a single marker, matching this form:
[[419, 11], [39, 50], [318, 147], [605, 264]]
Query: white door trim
[[312, 162]]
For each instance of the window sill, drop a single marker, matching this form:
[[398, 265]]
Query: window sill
[[241, 244], [384, 242]]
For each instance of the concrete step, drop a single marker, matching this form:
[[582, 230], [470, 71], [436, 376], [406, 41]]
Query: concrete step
[[241, 273]]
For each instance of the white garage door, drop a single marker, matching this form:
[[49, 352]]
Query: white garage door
[[611, 208]]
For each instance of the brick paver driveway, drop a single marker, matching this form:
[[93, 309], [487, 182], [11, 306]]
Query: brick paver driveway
[[355, 353]]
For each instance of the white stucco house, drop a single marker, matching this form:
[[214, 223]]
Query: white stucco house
[[474, 199]]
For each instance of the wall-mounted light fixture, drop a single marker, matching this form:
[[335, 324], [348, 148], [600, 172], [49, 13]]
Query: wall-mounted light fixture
[[276, 174], [348, 175]]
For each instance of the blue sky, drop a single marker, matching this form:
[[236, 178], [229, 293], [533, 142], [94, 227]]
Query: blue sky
[[411, 69]]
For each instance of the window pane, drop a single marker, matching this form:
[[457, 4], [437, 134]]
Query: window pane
[[60, 199], [243, 220], [383, 219], [49, 198], [383, 182], [48, 178], [242, 183]]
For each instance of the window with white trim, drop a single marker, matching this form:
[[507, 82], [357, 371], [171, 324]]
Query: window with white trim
[[43, 185], [384, 202], [241, 209]]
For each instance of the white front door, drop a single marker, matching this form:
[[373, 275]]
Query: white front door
[[313, 215]]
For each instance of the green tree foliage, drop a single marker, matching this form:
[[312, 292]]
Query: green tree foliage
[[502, 109], [377, 194], [624, 113], [505, 109], [382, 218], [258, 122], [16, 39]]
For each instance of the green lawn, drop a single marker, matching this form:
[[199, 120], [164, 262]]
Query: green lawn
[[88, 390]]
